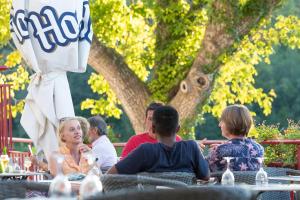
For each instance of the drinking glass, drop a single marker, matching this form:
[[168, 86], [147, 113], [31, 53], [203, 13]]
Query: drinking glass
[[91, 184], [16, 166], [92, 163], [27, 163], [4, 161], [60, 186], [227, 177], [261, 177]]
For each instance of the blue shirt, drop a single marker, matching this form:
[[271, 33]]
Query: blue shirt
[[183, 156], [244, 151]]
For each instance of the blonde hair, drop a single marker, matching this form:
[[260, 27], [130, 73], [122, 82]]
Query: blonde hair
[[61, 126], [237, 119], [85, 125]]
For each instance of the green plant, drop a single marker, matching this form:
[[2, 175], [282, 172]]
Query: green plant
[[283, 153], [4, 151]]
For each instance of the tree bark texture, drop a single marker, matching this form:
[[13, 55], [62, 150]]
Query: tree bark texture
[[130, 90], [197, 85]]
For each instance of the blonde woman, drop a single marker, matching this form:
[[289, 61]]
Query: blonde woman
[[71, 147]]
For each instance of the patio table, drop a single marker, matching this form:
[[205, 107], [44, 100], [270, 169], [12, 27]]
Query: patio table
[[271, 187], [21, 175], [74, 184], [286, 178]]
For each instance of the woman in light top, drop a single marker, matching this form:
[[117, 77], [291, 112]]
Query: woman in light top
[[235, 124], [71, 147]]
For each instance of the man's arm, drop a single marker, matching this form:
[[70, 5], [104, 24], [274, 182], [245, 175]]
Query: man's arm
[[132, 164], [112, 170]]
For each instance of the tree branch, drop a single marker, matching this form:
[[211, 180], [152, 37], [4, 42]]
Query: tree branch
[[196, 87], [130, 90]]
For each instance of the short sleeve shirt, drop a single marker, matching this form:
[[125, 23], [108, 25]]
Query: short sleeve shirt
[[244, 151], [105, 152], [137, 140], [183, 156]]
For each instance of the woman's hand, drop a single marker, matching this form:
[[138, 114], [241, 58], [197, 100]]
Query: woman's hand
[[84, 148]]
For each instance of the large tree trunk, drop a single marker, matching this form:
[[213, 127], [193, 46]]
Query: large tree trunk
[[198, 84], [131, 91], [196, 87]]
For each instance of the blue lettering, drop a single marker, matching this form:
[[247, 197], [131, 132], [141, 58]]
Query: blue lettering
[[50, 29]]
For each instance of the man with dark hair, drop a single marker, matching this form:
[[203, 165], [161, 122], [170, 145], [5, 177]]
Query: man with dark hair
[[102, 148], [167, 155], [148, 136]]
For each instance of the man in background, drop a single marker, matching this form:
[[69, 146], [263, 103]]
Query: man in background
[[103, 150], [148, 136], [167, 155]]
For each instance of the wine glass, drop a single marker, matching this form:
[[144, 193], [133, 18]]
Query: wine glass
[[92, 164], [27, 163], [16, 166], [261, 177], [60, 186], [227, 177], [4, 161], [91, 184]]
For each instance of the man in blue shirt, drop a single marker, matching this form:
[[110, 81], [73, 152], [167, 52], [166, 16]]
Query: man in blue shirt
[[167, 155]]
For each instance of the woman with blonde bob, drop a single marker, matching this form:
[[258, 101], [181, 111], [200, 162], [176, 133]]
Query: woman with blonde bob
[[235, 124], [71, 147]]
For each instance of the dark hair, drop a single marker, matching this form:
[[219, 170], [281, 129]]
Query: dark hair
[[165, 121], [237, 119], [153, 106], [99, 123]]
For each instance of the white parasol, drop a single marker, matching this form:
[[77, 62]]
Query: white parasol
[[54, 37]]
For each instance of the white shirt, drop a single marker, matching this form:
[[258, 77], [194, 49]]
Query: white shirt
[[106, 153]]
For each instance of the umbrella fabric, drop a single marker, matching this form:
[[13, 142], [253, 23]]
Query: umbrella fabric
[[54, 37]]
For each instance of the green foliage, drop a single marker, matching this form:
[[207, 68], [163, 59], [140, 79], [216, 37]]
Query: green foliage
[[285, 153], [235, 81], [105, 105], [4, 22], [175, 54], [162, 62], [17, 76], [127, 29], [4, 151]]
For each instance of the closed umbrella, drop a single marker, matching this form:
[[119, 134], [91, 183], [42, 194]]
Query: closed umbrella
[[54, 37]]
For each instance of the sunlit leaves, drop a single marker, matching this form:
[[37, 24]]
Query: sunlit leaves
[[186, 28], [18, 77], [4, 21], [107, 105], [130, 31], [236, 80], [13, 59]]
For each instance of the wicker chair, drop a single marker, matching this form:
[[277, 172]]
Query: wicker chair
[[136, 182], [22, 189], [12, 189], [187, 178], [203, 193], [248, 177]]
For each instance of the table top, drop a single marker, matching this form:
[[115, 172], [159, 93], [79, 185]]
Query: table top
[[75, 184], [285, 178], [271, 187], [22, 173]]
